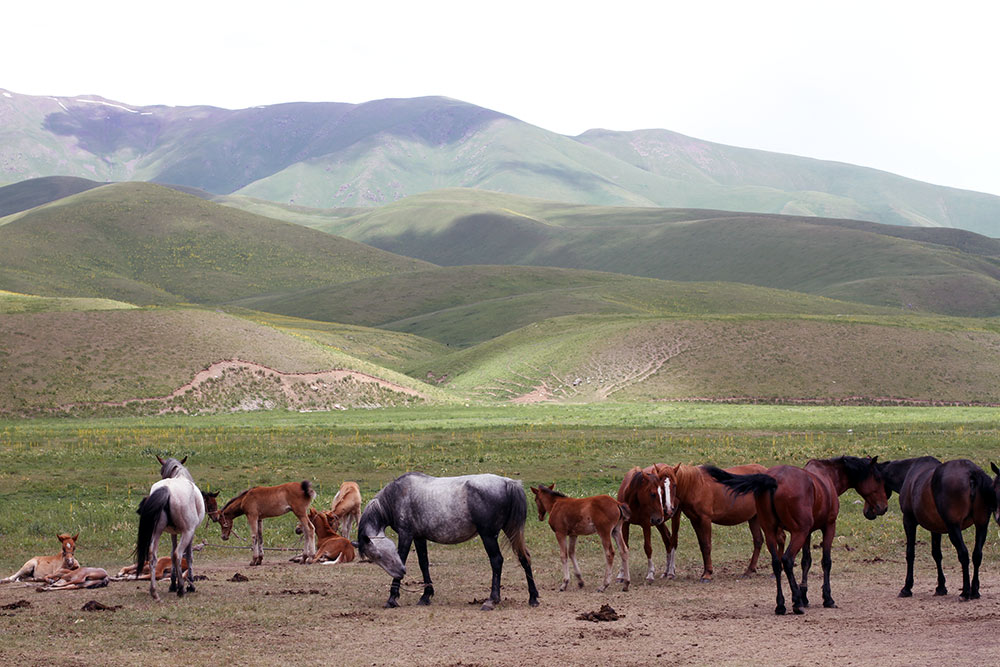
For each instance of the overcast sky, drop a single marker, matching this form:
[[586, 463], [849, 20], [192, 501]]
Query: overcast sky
[[908, 87]]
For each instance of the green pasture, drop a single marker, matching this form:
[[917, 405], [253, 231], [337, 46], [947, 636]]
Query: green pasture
[[89, 475]]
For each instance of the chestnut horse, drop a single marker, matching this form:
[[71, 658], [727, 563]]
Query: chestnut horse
[[39, 567], [263, 502], [571, 517], [346, 508], [803, 500], [704, 502], [331, 547], [651, 497], [80, 577], [944, 498]]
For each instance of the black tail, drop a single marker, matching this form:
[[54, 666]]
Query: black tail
[[982, 485], [517, 516], [756, 484], [307, 489], [150, 510]]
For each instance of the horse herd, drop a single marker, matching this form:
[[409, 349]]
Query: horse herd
[[783, 506]]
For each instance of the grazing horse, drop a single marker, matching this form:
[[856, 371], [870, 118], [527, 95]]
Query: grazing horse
[[446, 510], [175, 505], [571, 517], [81, 577], [264, 502], [803, 500], [39, 567], [651, 497], [346, 508], [944, 498], [704, 502]]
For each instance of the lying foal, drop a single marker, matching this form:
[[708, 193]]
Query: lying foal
[[81, 577], [40, 567]]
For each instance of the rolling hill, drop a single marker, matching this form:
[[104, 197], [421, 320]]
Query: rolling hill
[[935, 270], [335, 155], [146, 244]]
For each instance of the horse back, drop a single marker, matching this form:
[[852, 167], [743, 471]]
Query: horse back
[[962, 493], [799, 503], [703, 496], [585, 516]]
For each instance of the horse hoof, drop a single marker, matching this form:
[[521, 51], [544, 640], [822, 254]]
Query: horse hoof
[[905, 593], [625, 587], [705, 580], [671, 577], [562, 586], [830, 604], [190, 588], [941, 591], [974, 596], [533, 602], [797, 610], [579, 584], [487, 606], [780, 610], [424, 602], [390, 604]]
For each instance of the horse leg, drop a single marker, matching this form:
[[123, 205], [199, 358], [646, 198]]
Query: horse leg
[[625, 530], [795, 544], [910, 528], [175, 567], [936, 553], [982, 529], [955, 535], [774, 547], [576, 565], [309, 531], [609, 560], [425, 569], [758, 541], [189, 555], [496, 562], [647, 547], [516, 539], [675, 526], [806, 565], [616, 532], [827, 562], [563, 541], [703, 529], [154, 546], [403, 549]]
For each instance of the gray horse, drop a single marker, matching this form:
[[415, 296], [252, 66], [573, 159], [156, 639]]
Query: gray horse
[[446, 510]]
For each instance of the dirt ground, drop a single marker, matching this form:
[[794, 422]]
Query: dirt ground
[[333, 614]]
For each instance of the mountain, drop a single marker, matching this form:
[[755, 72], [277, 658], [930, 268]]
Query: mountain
[[937, 270], [147, 244], [340, 155]]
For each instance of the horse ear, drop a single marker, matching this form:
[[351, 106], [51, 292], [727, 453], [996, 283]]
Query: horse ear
[[552, 486], [160, 460], [184, 460], [874, 460], [677, 468], [76, 536], [214, 494], [995, 469], [534, 490]]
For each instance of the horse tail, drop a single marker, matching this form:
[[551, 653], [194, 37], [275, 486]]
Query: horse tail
[[307, 489], [757, 483], [624, 512], [981, 484], [517, 516], [151, 508]]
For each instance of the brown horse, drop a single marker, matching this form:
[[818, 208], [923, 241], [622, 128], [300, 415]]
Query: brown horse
[[945, 498], [704, 502], [651, 496], [346, 508], [331, 547], [80, 577], [39, 567], [263, 502], [803, 500], [571, 517]]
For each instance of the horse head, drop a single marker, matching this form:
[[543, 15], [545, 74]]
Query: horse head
[[871, 486], [542, 494], [211, 505], [68, 548], [380, 550], [667, 477], [646, 489], [171, 467]]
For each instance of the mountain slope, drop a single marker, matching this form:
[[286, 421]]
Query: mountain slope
[[331, 154], [146, 244], [21, 196]]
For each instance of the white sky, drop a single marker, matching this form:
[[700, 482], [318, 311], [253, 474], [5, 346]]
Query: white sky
[[909, 87]]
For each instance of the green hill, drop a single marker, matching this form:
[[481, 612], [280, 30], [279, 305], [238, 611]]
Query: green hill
[[935, 271], [18, 197], [147, 244]]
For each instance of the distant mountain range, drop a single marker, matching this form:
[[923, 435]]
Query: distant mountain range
[[326, 155]]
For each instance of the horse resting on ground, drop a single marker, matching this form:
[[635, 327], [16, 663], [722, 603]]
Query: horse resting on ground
[[331, 547], [81, 577], [263, 502], [174, 505], [571, 517], [39, 567], [800, 501], [944, 498], [447, 510]]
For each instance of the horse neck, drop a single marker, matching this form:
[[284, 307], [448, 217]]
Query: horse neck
[[548, 498], [833, 470], [374, 519], [687, 478]]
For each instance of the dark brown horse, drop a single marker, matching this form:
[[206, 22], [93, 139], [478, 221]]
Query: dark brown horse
[[945, 498], [803, 500], [704, 501], [572, 517], [651, 496]]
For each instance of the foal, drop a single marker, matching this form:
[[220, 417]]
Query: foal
[[651, 497], [263, 502], [39, 567], [346, 508], [571, 517]]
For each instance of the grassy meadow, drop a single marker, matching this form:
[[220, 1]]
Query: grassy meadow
[[89, 475]]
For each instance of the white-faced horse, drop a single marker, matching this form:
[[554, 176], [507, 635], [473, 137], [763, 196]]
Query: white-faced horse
[[175, 505], [446, 510]]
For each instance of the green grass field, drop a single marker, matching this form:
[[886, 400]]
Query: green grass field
[[89, 475]]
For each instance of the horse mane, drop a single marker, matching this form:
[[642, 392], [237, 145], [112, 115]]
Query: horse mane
[[238, 497], [856, 468], [559, 494]]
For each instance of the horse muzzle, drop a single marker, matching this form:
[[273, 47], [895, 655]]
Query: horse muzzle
[[874, 512]]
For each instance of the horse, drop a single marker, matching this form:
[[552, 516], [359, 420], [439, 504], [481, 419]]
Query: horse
[[37, 568], [803, 500], [704, 502], [446, 510], [944, 498], [80, 577], [346, 508], [331, 547], [175, 504], [163, 567], [571, 517], [264, 502], [651, 497]]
